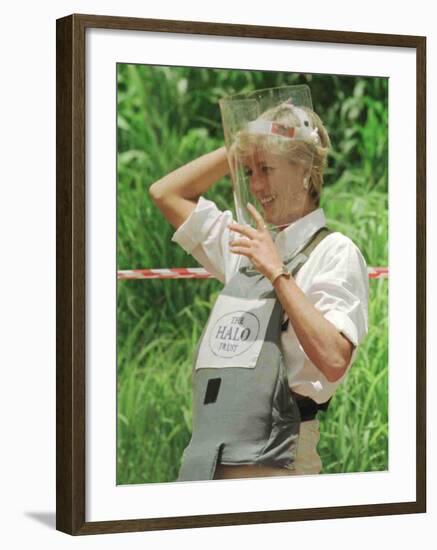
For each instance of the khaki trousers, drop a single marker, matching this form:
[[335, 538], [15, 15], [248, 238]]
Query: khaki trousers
[[307, 459]]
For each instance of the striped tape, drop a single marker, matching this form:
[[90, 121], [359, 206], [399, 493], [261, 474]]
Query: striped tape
[[201, 273]]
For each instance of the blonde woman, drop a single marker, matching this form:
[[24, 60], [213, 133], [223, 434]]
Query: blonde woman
[[285, 330]]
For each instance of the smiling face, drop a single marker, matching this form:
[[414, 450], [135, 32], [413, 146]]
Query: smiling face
[[269, 157], [277, 184]]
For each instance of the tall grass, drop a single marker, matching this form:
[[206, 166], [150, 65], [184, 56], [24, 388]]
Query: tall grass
[[166, 117]]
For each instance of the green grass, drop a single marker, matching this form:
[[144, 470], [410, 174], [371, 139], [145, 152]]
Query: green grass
[[167, 117]]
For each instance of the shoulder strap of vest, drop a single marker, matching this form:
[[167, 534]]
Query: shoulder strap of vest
[[296, 261]]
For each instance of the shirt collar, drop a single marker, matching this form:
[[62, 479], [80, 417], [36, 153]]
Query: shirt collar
[[292, 238]]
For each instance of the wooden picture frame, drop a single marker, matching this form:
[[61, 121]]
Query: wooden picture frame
[[71, 275]]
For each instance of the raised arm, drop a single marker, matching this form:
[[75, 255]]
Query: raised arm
[[176, 194]]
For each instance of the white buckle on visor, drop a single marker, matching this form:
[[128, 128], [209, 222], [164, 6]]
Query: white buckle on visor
[[302, 133]]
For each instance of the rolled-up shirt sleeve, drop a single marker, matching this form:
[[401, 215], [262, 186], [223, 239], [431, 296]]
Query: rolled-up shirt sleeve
[[340, 289], [205, 235]]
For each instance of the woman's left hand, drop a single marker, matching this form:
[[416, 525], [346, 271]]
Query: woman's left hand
[[257, 245]]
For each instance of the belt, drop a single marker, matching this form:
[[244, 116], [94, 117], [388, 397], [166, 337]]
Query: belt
[[308, 408]]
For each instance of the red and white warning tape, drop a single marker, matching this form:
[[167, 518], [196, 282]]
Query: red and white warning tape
[[201, 273], [377, 272]]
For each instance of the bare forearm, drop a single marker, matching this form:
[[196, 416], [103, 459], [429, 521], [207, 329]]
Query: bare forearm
[[176, 193], [327, 349], [194, 178]]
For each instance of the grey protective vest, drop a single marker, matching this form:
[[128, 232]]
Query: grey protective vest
[[243, 411]]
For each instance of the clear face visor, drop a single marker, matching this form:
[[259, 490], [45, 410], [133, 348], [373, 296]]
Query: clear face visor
[[271, 138]]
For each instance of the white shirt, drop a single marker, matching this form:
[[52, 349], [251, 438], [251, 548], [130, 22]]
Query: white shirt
[[334, 279]]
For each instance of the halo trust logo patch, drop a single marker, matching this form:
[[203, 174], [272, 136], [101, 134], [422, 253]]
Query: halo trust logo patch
[[234, 333]]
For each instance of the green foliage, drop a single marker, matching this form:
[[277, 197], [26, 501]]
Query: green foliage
[[167, 117]]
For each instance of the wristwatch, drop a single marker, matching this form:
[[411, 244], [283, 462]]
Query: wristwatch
[[281, 272]]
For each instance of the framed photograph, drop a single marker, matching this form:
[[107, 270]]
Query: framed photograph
[[179, 404]]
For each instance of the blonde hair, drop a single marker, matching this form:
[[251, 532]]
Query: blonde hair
[[303, 151]]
